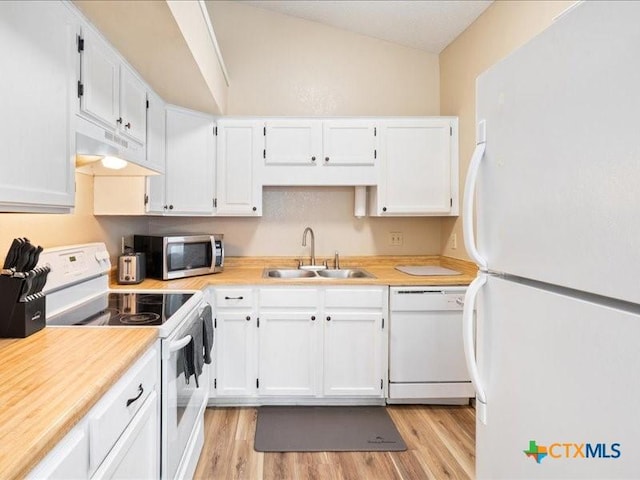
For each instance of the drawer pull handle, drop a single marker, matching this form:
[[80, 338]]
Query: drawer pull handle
[[328, 319], [234, 298], [140, 392]]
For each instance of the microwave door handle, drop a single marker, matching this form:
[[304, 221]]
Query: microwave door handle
[[213, 252], [179, 344]]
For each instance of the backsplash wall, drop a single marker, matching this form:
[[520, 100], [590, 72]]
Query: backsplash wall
[[328, 211]]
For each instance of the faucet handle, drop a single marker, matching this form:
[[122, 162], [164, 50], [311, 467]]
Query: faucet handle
[[336, 261], [300, 263]]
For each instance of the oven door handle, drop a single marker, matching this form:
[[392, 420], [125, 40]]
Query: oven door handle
[[179, 344]]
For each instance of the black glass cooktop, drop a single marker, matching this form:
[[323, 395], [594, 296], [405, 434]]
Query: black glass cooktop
[[124, 309]]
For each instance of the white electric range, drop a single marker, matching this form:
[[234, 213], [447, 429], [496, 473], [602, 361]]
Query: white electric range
[[77, 294]]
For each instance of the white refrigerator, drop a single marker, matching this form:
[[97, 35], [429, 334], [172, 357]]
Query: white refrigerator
[[554, 346]]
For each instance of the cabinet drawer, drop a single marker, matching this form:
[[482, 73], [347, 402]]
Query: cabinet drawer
[[290, 297], [233, 297], [354, 298], [117, 408]]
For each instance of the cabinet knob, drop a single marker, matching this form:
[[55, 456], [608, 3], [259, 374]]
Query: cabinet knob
[[255, 208], [165, 207], [248, 319], [313, 318], [128, 125], [328, 319], [313, 159], [384, 209], [119, 120], [326, 159], [170, 207]]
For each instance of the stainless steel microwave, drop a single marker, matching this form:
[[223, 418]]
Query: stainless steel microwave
[[179, 256]]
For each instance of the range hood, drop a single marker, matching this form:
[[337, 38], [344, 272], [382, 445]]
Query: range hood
[[94, 143]]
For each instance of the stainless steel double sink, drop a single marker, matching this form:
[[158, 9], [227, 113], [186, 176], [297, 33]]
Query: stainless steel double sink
[[327, 273]]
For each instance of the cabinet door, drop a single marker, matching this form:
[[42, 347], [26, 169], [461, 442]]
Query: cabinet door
[[190, 157], [349, 142], [156, 141], [235, 339], [137, 452], [100, 69], [353, 354], [68, 459], [293, 142], [156, 131], [239, 151], [37, 85], [133, 105], [417, 168], [288, 353]]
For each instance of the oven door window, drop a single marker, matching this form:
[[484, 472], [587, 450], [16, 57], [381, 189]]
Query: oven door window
[[184, 402], [188, 256]]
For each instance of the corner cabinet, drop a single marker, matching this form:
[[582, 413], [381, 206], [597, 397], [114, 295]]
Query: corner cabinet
[[37, 85], [418, 168], [190, 155], [240, 144]]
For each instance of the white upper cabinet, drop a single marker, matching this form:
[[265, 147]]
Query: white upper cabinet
[[38, 93], [190, 160], [111, 94], [156, 154], [133, 105], [419, 168], [156, 131], [349, 142], [293, 142], [304, 151], [240, 144], [99, 79]]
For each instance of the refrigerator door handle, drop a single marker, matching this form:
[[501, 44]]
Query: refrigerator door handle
[[468, 204], [468, 337]]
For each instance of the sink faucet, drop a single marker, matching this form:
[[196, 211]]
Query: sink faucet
[[313, 243]]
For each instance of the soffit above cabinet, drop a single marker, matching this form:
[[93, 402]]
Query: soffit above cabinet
[[147, 34]]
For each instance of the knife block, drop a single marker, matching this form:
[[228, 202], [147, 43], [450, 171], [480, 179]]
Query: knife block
[[19, 319]]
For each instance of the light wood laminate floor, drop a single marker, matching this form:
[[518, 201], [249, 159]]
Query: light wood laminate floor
[[440, 445]]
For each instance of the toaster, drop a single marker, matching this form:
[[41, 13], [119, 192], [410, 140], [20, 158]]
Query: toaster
[[131, 268]]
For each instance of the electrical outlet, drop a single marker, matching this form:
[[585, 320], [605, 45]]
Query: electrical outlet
[[454, 241], [395, 239]]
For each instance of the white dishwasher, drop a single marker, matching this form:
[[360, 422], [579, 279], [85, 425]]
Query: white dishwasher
[[426, 356]]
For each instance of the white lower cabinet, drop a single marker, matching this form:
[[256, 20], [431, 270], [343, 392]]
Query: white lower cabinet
[[235, 334], [353, 354], [119, 437], [305, 345], [136, 454]]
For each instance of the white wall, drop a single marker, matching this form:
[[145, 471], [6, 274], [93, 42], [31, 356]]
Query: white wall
[[281, 65], [502, 28]]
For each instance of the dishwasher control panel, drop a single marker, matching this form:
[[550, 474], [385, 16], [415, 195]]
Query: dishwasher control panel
[[426, 298]]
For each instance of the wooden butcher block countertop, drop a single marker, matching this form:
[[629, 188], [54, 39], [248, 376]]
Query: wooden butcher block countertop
[[51, 379], [248, 271]]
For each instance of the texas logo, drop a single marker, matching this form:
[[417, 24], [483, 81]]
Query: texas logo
[[572, 450]]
